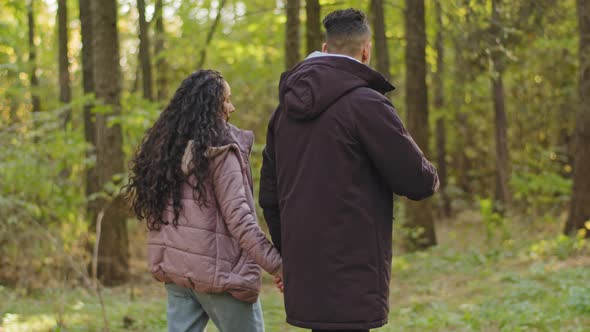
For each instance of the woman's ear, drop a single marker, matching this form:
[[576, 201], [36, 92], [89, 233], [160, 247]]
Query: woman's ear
[[325, 47]]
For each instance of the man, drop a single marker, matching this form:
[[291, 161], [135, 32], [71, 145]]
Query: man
[[336, 152]]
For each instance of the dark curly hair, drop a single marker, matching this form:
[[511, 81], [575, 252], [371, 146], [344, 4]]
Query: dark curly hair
[[156, 179]]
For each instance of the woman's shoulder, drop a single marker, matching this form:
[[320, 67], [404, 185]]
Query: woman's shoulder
[[243, 138]]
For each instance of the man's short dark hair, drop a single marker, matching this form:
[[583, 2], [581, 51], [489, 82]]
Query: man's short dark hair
[[346, 30]]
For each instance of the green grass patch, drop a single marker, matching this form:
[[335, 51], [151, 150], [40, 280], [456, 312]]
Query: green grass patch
[[536, 283]]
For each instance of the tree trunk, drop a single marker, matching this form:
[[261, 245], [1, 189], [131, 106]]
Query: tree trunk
[[144, 52], [292, 46], [463, 164], [381, 50], [503, 197], [313, 26], [439, 102], [161, 65], [65, 91], [419, 214], [113, 253], [12, 95], [580, 205], [33, 58], [210, 34], [92, 184]]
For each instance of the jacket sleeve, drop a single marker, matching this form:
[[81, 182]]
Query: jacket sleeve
[[230, 191], [393, 151], [268, 198]]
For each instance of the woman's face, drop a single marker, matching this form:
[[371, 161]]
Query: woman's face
[[227, 107]]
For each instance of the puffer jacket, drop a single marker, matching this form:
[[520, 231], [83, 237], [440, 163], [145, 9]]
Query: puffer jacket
[[218, 247]]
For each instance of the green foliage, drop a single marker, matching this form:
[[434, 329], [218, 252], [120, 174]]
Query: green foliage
[[579, 300], [462, 285], [137, 116], [499, 279], [542, 191], [41, 194], [494, 222], [541, 184], [560, 247]]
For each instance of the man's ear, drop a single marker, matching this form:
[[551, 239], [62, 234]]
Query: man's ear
[[366, 53], [364, 58], [325, 47]]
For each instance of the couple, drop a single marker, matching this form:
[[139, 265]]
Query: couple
[[336, 152]]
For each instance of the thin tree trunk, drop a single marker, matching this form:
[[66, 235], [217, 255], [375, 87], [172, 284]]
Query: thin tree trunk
[[462, 163], [137, 81], [579, 213], [65, 91], [161, 65], [381, 50], [210, 34], [92, 183], [419, 214], [439, 102], [292, 43], [144, 52], [503, 196], [33, 57], [113, 254], [13, 96], [313, 26]]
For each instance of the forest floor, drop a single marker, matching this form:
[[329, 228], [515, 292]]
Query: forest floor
[[535, 281]]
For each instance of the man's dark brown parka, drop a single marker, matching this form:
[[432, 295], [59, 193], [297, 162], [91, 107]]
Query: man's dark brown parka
[[336, 153]]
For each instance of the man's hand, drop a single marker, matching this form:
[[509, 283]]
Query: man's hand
[[279, 280], [279, 284]]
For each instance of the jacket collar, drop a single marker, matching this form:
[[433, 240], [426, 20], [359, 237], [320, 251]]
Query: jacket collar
[[236, 139]]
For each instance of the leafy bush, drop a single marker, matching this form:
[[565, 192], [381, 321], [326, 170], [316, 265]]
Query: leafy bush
[[493, 221], [41, 197], [560, 247], [539, 185]]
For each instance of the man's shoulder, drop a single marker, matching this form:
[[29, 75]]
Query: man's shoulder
[[365, 98]]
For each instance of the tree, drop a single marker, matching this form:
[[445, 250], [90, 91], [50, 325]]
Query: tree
[[419, 214], [462, 71], [292, 43], [144, 52], [92, 183], [33, 57], [503, 196], [579, 213], [65, 91], [161, 65], [381, 50], [313, 26], [211, 33], [439, 102], [113, 254]]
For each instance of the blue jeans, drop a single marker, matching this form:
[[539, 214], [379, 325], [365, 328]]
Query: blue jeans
[[189, 311]]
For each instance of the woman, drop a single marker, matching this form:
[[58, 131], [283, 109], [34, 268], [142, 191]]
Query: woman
[[191, 183]]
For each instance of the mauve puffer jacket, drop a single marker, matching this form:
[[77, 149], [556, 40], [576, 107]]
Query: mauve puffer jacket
[[219, 247]]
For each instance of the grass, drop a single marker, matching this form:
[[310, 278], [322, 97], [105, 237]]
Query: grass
[[537, 281]]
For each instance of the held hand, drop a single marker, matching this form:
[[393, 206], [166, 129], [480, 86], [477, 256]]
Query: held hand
[[278, 279], [279, 284]]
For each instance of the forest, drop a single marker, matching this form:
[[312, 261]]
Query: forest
[[496, 93]]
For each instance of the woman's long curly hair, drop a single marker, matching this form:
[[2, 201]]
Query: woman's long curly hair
[[156, 180]]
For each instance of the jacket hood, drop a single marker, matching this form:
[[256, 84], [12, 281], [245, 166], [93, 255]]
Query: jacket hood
[[313, 85], [235, 138]]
